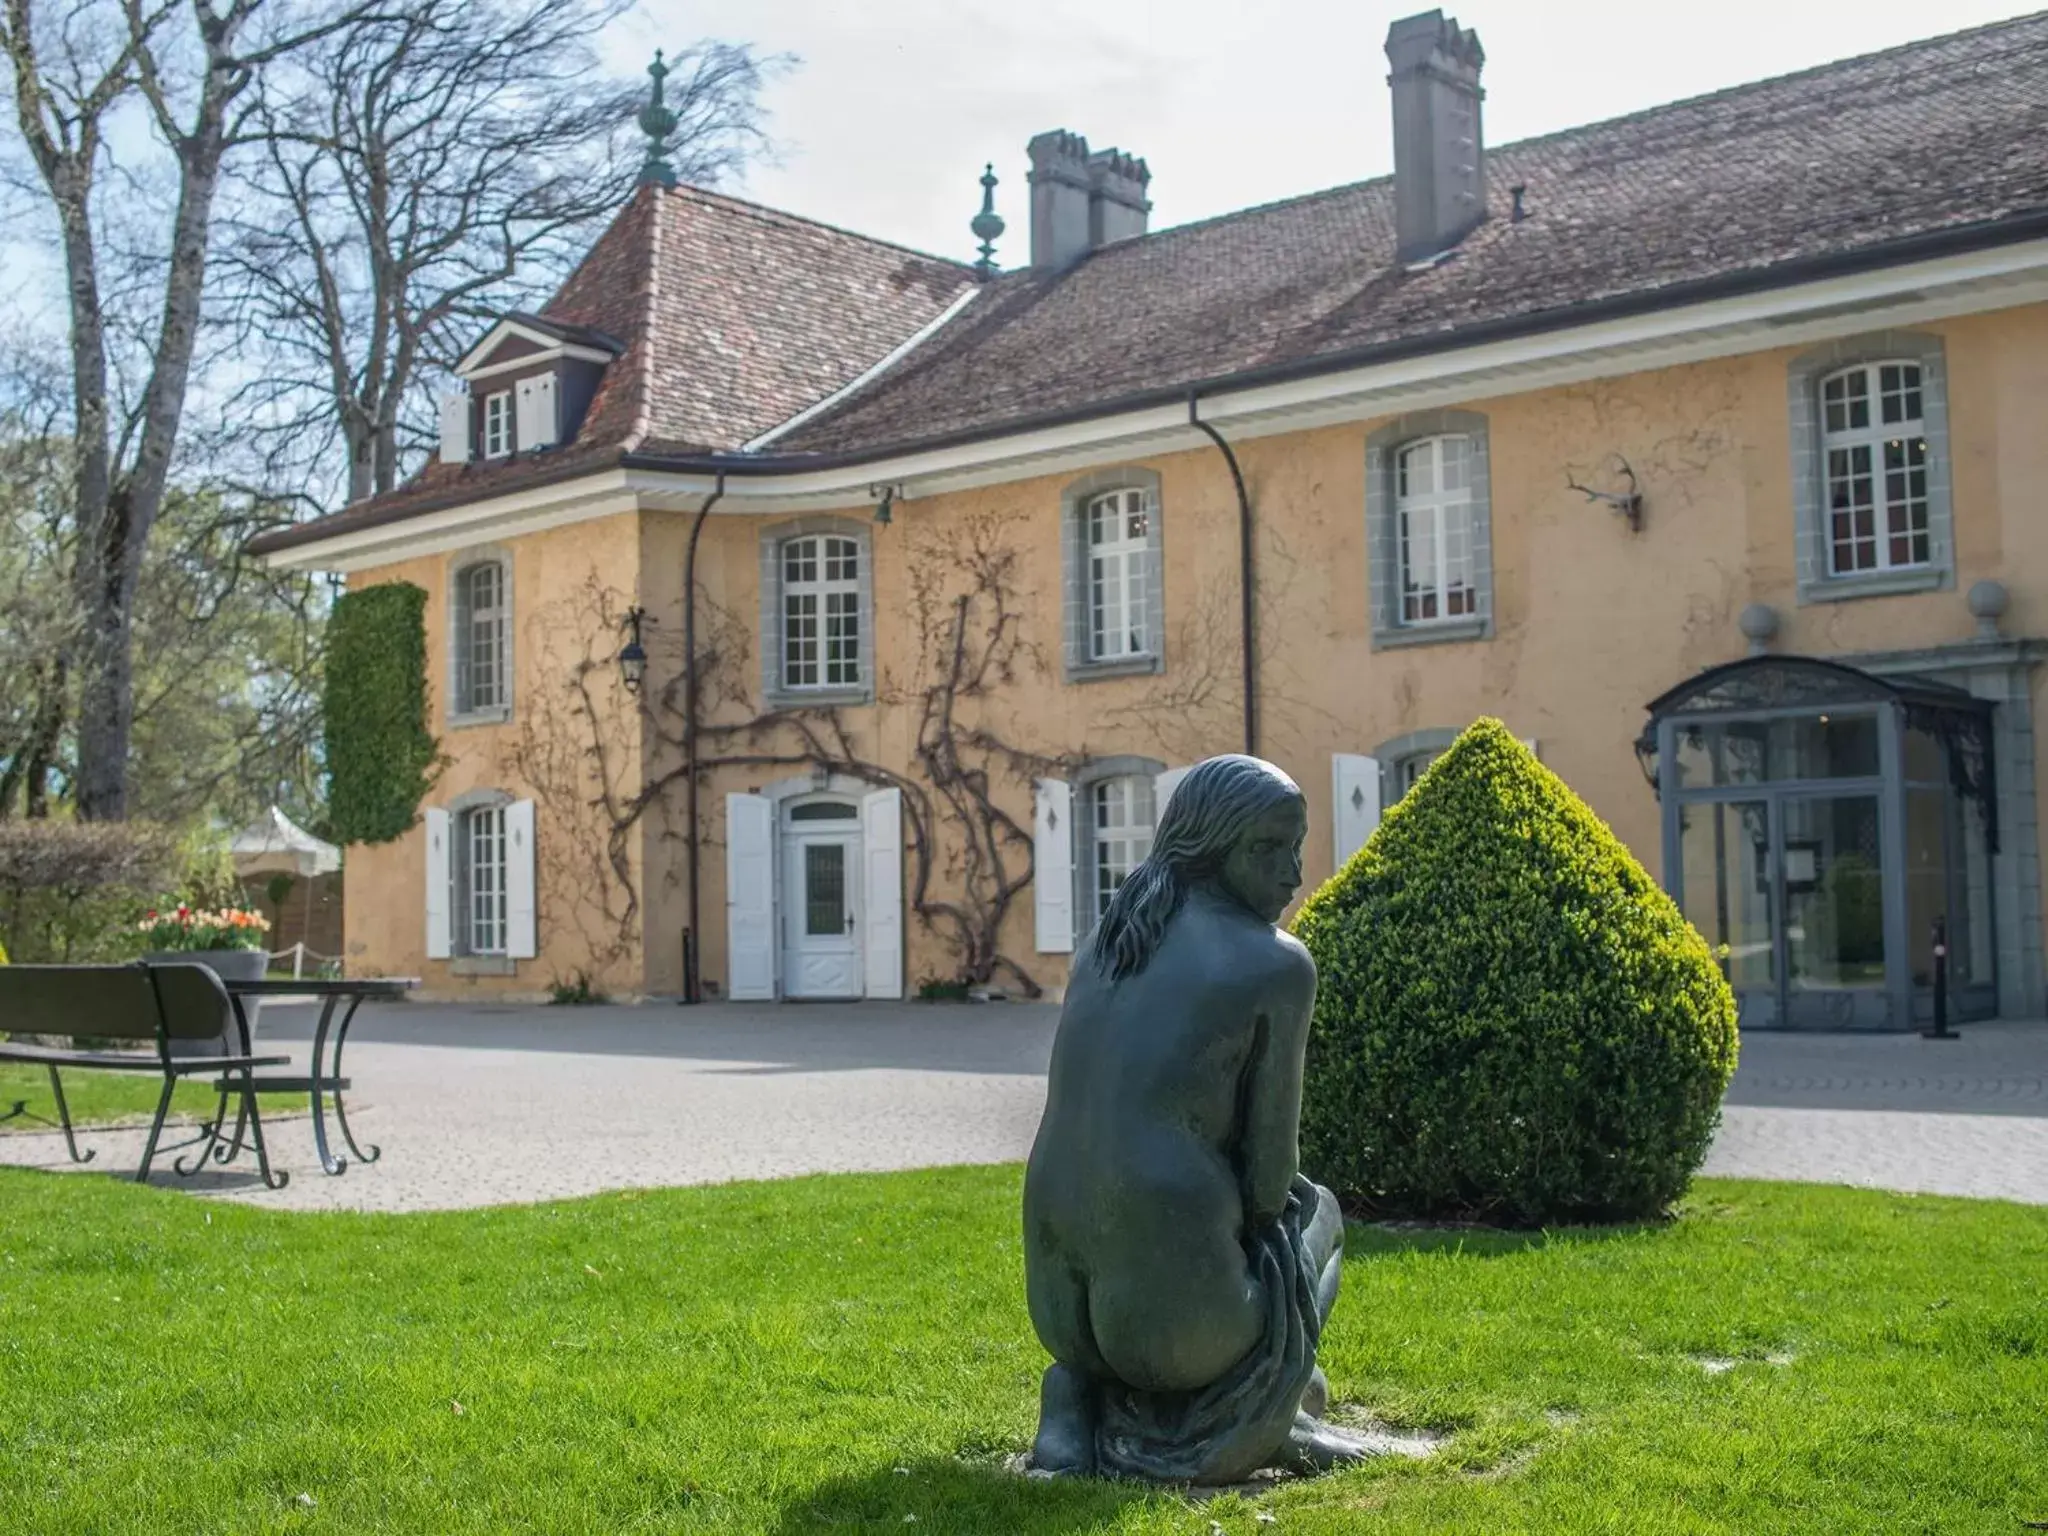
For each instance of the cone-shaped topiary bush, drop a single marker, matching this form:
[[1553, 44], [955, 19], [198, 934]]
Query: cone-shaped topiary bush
[[1513, 1023]]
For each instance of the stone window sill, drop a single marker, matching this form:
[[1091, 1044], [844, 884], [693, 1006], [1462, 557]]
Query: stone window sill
[[818, 698], [1840, 589], [481, 965], [466, 718], [1444, 632], [1126, 666]]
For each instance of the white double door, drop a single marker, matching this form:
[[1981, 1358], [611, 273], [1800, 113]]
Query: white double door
[[822, 954]]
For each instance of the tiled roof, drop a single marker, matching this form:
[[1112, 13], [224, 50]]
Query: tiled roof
[[737, 318], [1917, 139], [733, 318]]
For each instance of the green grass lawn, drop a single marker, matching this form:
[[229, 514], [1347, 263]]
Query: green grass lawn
[[95, 1098], [839, 1354]]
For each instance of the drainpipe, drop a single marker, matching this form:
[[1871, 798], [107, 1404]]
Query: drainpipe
[[1244, 577], [693, 991]]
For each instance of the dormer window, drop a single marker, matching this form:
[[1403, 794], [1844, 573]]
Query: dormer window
[[530, 380], [498, 424]]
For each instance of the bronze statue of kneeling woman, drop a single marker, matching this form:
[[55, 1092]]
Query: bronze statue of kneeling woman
[[1179, 1267]]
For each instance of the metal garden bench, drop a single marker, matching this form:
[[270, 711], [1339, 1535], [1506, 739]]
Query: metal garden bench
[[157, 1004]]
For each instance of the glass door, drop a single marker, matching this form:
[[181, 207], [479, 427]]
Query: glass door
[[1832, 852], [1730, 895]]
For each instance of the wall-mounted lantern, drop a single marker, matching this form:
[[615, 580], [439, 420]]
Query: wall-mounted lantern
[[633, 655]]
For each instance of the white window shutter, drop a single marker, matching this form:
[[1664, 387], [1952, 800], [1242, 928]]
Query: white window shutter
[[536, 413], [439, 885], [455, 429], [1052, 876], [1530, 743], [881, 841], [521, 929], [1354, 802], [1163, 786], [749, 898]]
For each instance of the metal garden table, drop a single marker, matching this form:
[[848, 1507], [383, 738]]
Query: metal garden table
[[324, 1080]]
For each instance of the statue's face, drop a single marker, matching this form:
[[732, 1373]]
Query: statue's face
[[1263, 870]]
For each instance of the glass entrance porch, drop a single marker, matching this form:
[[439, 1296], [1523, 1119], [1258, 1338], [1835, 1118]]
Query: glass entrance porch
[[1824, 828]]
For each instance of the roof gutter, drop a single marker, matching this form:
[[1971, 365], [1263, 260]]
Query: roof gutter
[[1246, 587]]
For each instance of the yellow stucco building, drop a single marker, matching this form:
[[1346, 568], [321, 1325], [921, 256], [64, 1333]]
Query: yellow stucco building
[[1736, 406]]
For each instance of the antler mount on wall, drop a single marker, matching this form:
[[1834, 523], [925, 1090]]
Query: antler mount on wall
[[1628, 503]]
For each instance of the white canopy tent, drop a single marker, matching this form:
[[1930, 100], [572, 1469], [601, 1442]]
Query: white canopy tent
[[278, 845]]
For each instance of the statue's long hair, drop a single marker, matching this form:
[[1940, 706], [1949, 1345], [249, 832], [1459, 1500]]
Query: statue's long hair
[[1208, 813]]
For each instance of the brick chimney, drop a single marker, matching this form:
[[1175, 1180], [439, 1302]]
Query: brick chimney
[[1081, 201], [1439, 152]]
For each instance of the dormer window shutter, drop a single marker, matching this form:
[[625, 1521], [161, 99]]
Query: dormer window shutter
[[536, 421], [455, 429]]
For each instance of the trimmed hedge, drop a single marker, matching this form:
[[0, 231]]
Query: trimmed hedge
[[380, 755], [1513, 1023]]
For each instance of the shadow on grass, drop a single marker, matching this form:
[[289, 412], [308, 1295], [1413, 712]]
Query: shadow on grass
[[949, 1495], [1369, 1239]]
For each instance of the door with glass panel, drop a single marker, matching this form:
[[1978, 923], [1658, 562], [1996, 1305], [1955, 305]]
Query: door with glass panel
[[820, 858], [1783, 863], [1828, 830], [1833, 859], [1729, 893]]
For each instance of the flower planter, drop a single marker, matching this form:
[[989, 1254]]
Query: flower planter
[[229, 965]]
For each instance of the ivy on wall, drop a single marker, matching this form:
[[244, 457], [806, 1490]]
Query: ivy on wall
[[380, 756]]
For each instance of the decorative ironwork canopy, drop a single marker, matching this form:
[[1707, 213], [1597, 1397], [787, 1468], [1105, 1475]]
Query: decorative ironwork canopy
[[1769, 685]]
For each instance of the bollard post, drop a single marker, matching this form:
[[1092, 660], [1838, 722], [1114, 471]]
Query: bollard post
[[1941, 1030]]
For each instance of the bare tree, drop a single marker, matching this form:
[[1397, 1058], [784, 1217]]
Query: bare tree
[[421, 173], [37, 621], [74, 66]]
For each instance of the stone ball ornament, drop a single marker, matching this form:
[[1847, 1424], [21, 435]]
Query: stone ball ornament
[[1178, 1267]]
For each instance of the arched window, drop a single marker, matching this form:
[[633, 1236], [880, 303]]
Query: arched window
[[1433, 510], [1120, 829], [481, 684], [1117, 526], [1874, 441], [821, 621]]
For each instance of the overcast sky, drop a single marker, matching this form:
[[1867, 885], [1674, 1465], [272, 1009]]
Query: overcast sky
[[896, 104]]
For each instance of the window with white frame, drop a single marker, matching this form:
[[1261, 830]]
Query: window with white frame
[[1404, 771], [1875, 458], [1121, 814], [1117, 529], [480, 880], [1433, 516], [498, 424], [479, 639], [821, 612]]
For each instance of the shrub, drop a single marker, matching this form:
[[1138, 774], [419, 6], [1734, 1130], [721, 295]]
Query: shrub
[[71, 891], [380, 756], [577, 992], [1513, 1023]]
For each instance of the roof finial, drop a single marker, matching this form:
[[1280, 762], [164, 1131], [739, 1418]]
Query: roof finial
[[988, 224], [657, 122]]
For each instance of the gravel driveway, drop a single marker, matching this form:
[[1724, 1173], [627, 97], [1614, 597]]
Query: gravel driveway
[[482, 1105]]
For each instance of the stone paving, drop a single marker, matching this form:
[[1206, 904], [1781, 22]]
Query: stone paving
[[484, 1105]]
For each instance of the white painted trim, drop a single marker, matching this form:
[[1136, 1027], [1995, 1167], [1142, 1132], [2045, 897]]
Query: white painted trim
[[917, 339], [1776, 318], [602, 494], [530, 359], [551, 347]]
